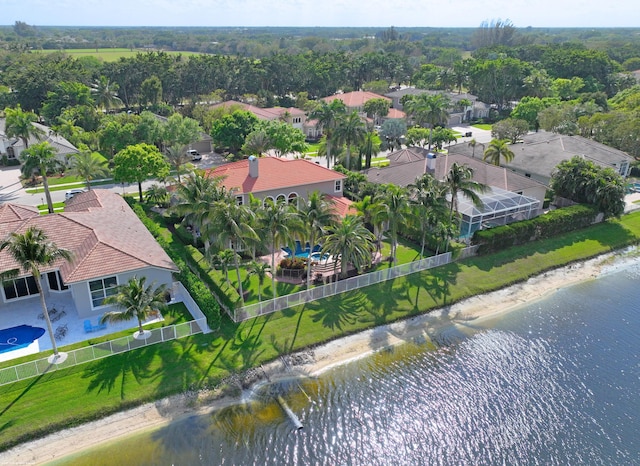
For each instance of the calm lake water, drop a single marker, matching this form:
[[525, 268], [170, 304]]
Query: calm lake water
[[554, 383]]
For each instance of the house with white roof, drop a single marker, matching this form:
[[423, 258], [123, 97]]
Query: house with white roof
[[13, 147]]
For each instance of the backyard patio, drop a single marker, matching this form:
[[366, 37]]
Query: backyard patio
[[67, 325]]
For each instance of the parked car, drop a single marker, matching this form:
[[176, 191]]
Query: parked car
[[72, 192], [194, 154]]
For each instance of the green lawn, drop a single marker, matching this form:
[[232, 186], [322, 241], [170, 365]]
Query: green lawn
[[109, 55], [482, 126], [65, 398]]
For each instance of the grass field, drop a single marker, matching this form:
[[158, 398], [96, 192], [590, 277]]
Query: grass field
[[110, 54]]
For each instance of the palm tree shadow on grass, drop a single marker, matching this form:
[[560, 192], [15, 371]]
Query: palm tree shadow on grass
[[105, 373], [335, 311], [437, 283], [179, 369], [386, 303]]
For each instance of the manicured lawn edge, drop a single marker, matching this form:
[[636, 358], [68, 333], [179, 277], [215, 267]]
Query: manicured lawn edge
[[35, 407]]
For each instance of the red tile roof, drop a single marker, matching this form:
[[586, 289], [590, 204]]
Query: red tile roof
[[273, 173], [342, 206], [103, 234], [356, 98], [272, 113]]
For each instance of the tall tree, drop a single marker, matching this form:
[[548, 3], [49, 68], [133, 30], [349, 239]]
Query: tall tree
[[19, 124], [32, 251], [231, 225], [428, 206], [40, 158], [280, 221], [350, 240], [316, 213], [350, 131], [88, 166], [105, 94], [137, 163], [429, 109], [327, 116], [396, 203], [136, 300], [177, 156], [369, 148], [498, 149], [459, 180], [259, 269]]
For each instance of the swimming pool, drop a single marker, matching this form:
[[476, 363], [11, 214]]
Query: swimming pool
[[14, 338]]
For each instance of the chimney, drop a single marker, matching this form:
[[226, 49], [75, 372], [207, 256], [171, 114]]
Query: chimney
[[431, 163], [253, 166]]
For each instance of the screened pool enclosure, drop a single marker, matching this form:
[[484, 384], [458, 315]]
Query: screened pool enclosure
[[499, 207]]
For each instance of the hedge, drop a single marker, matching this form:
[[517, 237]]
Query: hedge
[[198, 290], [553, 223]]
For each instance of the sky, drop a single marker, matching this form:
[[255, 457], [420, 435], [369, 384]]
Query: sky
[[324, 13]]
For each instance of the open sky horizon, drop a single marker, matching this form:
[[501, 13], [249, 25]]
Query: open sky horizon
[[321, 13]]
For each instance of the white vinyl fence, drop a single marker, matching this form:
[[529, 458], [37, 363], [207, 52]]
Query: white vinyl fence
[[101, 350], [342, 286]]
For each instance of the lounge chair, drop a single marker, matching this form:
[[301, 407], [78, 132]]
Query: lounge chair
[[299, 250], [316, 248], [307, 247], [287, 251], [88, 328]]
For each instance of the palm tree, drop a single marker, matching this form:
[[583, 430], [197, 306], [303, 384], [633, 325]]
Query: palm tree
[[428, 205], [280, 221], [431, 109], [231, 225], [396, 203], [351, 241], [104, 94], [350, 131], [223, 259], [32, 250], [88, 166], [19, 124], [498, 149], [136, 301], [327, 115], [157, 195], [370, 147], [259, 269], [177, 156], [40, 158], [459, 180], [194, 199], [316, 213], [473, 143]]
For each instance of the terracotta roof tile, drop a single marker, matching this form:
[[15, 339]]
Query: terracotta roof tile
[[273, 173], [103, 234], [355, 99]]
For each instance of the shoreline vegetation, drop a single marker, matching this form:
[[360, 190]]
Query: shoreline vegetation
[[46, 407], [479, 311]]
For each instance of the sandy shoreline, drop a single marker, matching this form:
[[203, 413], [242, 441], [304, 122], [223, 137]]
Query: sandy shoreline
[[478, 311]]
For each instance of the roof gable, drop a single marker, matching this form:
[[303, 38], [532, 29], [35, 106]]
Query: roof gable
[[273, 173]]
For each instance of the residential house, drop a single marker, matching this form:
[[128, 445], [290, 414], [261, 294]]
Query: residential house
[[458, 113], [204, 145], [108, 243], [281, 179], [294, 116], [540, 153], [356, 100], [511, 197], [13, 147]]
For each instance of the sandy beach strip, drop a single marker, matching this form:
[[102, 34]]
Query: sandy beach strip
[[478, 311]]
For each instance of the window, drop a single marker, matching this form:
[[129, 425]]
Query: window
[[338, 186], [281, 198], [20, 287], [101, 289], [55, 281], [239, 200], [293, 199], [297, 120]]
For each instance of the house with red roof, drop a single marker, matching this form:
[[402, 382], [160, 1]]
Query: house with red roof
[[356, 100], [294, 116], [108, 243], [281, 179]]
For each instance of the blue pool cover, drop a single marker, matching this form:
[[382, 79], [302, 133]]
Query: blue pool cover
[[18, 337]]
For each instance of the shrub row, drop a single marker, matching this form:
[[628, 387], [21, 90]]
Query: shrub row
[[198, 290], [553, 223]]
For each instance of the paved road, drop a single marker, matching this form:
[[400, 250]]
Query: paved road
[[11, 189]]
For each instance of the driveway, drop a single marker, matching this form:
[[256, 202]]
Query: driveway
[[10, 187]]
